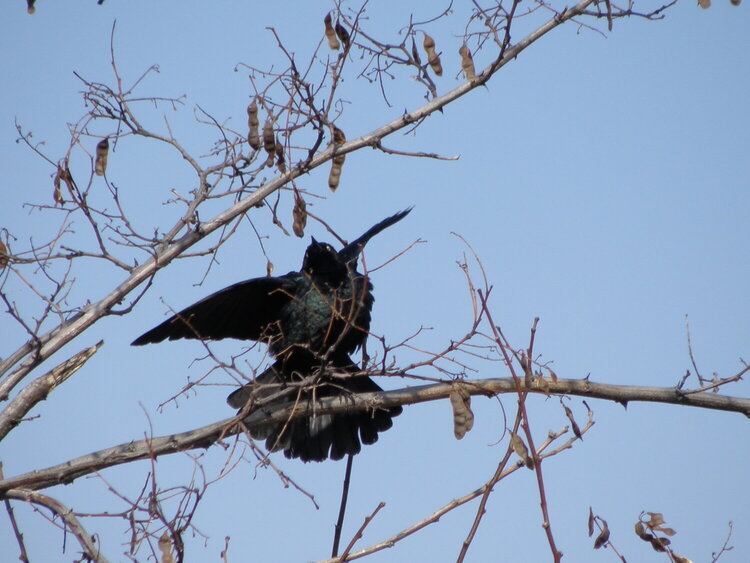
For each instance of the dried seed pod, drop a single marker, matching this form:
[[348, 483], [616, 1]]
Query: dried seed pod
[[3, 255], [343, 34], [573, 423], [463, 417], [280, 161], [300, 216], [736, 2], [520, 448], [30, 6], [66, 177], [102, 151], [415, 53], [432, 57], [467, 63], [269, 142], [333, 42], [57, 193], [337, 162], [252, 124], [705, 4]]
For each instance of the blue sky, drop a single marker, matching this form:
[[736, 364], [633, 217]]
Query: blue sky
[[603, 182]]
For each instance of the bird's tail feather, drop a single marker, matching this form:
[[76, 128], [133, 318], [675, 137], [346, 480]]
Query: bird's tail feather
[[317, 437]]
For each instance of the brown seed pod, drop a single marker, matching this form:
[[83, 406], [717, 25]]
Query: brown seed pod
[[343, 34], [463, 417], [3, 255], [432, 57], [30, 6], [280, 161], [337, 162], [333, 42], [57, 193], [415, 53], [269, 142], [705, 4], [252, 124], [102, 151], [519, 447], [300, 216], [467, 63]]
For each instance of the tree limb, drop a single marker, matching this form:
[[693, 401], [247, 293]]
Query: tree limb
[[207, 435], [38, 389], [84, 538]]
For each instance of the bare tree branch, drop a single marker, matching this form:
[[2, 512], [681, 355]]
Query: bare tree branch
[[84, 538], [207, 435], [38, 389]]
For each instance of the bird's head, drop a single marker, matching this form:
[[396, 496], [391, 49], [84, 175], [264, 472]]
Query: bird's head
[[323, 262]]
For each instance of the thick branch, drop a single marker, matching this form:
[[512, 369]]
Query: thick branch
[[208, 435], [38, 389]]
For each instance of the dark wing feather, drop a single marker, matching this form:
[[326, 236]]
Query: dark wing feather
[[243, 310]]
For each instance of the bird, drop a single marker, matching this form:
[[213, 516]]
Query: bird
[[312, 321]]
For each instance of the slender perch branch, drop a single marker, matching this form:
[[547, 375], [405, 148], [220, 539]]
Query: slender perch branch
[[207, 435]]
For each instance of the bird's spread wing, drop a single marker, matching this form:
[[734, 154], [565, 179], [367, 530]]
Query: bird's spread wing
[[244, 310]]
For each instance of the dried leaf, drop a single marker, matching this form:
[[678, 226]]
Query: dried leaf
[[467, 63], [269, 268], [269, 142], [252, 124], [603, 536], [333, 42], [165, 546], [337, 162], [591, 522], [342, 34], [642, 533], [520, 448], [656, 519], [463, 417], [102, 152], [660, 544], [680, 559], [3, 255], [705, 4], [432, 57], [299, 213]]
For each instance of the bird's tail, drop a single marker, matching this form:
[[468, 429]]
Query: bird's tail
[[352, 250], [317, 437]]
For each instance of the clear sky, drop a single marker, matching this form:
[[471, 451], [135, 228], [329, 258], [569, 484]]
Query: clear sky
[[603, 181]]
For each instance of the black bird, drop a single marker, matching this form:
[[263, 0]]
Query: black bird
[[312, 320]]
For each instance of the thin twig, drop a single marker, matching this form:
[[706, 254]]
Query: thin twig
[[342, 507]]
